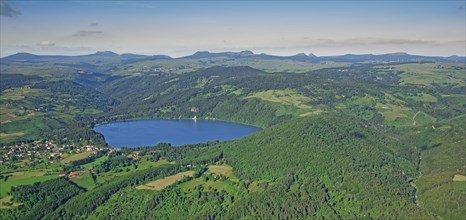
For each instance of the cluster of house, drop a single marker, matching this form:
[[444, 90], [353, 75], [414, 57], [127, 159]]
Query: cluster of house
[[38, 151], [70, 174]]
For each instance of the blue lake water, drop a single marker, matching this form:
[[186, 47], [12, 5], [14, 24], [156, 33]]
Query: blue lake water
[[176, 132]]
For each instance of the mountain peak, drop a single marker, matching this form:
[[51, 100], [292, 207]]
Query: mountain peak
[[106, 53], [301, 55], [246, 53]]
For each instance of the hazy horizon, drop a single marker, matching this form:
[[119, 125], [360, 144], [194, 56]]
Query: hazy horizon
[[185, 55], [432, 28]]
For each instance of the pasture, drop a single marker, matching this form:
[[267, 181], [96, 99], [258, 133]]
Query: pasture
[[22, 178], [285, 97], [167, 181], [77, 156]]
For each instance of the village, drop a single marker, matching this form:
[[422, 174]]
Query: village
[[32, 154]]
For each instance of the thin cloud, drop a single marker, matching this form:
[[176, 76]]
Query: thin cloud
[[366, 41], [7, 10], [88, 33], [403, 41], [94, 24], [136, 4], [46, 44]]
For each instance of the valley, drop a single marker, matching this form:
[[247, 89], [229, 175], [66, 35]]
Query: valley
[[344, 137]]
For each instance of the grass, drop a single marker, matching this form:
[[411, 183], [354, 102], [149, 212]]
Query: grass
[[256, 186], [208, 185], [142, 163], [429, 73], [20, 93], [84, 180], [460, 186], [77, 156], [285, 97], [437, 192], [424, 97], [11, 135], [8, 200], [167, 181], [223, 170], [95, 162], [186, 186], [22, 178]]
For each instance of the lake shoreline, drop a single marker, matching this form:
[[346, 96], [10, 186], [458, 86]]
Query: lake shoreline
[[177, 132]]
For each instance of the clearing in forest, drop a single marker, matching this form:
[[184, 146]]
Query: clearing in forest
[[223, 170], [285, 97], [459, 178], [167, 181], [7, 200]]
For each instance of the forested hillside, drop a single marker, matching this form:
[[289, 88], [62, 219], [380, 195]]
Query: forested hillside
[[344, 140], [317, 167]]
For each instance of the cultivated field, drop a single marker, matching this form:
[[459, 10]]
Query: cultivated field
[[167, 181], [77, 157]]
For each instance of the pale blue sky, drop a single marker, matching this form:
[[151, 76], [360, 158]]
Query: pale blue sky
[[283, 28]]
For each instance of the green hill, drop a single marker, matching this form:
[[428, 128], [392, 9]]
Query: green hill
[[319, 167]]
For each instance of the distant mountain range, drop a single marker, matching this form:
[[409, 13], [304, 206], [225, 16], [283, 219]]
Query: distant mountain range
[[247, 54]]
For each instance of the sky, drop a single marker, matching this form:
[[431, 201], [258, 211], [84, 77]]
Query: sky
[[178, 28]]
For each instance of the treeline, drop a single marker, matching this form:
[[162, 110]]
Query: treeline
[[83, 204], [16, 80], [40, 199], [115, 161], [325, 167], [74, 165]]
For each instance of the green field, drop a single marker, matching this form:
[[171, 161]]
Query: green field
[[428, 73], [22, 178], [84, 180], [285, 97], [77, 156]]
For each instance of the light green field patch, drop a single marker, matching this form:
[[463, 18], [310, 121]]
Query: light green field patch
[[285, 97], [361, 101], [257, 186], [11, 135], [223, 170], [429, 73], [95, 162], [77, 156], [392, 99], [22, 178], [424, 97], [202, 82], [192, 184], [219, 185], [396, 115], [229, 89], [20, 93], [85, 180], [141, 163], [459, 183]]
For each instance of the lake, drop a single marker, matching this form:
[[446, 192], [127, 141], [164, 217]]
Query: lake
[[177, 132]]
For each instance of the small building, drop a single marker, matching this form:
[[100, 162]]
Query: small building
[[62, 174], [73, 174]]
